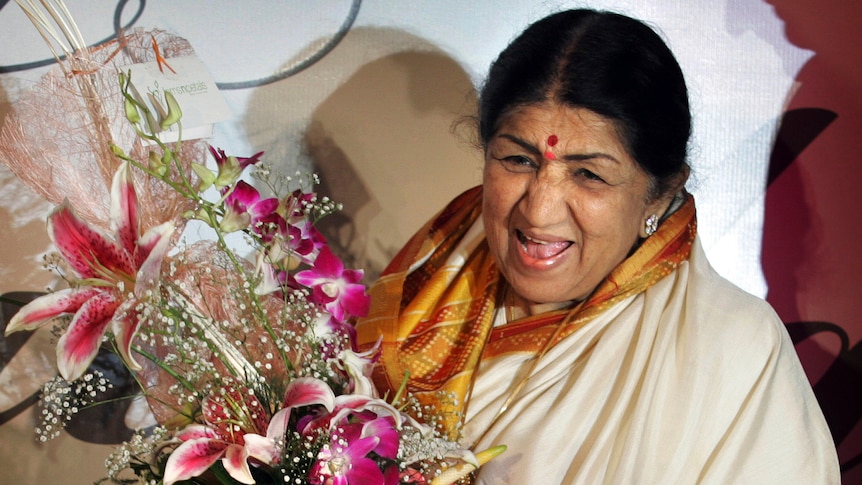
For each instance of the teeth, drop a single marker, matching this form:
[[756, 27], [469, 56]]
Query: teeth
[[523, 238], [535, 240]]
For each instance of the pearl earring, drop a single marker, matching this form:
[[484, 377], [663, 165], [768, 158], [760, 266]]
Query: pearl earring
[[651, 225]]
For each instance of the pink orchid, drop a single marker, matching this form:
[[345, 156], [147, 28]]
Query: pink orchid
[[234, 423], [289, 239], [230, 167], [269, 227], [113, 275], [245, 207], [304, 240], [285, 248], [291, 246], [334, 287], [295, 206], [347, 458]]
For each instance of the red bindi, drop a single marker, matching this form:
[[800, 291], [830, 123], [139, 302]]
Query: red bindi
[[552, 140], [550, 155]]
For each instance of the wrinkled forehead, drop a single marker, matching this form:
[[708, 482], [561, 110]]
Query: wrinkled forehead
[[556, 124]]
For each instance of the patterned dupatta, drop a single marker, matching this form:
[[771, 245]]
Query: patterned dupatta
[[433, 308]]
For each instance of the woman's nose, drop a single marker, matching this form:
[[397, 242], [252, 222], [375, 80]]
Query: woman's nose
[[544, 203]]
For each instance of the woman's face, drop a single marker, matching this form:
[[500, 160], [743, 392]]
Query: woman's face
[[564, 203]]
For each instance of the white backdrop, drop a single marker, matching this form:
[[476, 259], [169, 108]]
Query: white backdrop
[[738, 64], [739, 67]]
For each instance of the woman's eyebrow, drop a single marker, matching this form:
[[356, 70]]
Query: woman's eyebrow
[[578, 157], [520, 142], [574, 157]]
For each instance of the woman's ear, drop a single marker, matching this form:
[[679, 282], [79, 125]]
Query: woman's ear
[[657, 209], [649, 226]]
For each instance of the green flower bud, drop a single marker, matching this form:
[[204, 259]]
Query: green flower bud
[[206, 175], [132, 113], [118, 151], [174, 111]]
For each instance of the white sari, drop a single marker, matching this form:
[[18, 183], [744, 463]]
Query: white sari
[[691, 381]]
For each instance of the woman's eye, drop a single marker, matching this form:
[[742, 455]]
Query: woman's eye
[[589, 175], [518, 163]]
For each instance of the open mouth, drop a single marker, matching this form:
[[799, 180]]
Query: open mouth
[[539, 249]]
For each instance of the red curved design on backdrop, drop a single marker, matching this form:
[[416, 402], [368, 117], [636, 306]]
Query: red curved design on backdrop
[[812, 225]]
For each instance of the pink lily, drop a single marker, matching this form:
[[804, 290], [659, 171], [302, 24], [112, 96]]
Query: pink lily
[[271, 279], [358, 366], [113, 276], [346, 406], [232, 433], [334, 287], [304, 391], [233, 428]]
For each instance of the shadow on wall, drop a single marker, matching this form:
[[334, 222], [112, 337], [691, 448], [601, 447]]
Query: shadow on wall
[[373, 118], [811, 226], [379, 133], [382, 140], [395, 160]]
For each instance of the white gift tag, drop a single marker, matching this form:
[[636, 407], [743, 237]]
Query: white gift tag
[[191, 84]]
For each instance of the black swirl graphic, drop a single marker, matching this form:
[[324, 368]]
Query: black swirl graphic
[[118, 12], [284, 73], [305, 63]]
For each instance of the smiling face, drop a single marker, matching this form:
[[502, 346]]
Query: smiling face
[[564, 203]]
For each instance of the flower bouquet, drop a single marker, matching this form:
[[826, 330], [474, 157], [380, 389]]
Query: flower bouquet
[[247, 362]]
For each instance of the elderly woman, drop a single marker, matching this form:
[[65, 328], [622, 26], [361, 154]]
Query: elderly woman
[[565, 308]]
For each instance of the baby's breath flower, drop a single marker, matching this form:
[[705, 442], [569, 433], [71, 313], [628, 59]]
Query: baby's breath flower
[[60, 400]]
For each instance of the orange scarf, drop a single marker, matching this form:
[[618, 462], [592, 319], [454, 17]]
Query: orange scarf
[[433, 309]]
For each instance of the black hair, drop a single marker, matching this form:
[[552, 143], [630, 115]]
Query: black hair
[[608, 63]]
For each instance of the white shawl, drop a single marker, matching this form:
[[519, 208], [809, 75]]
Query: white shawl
[[692, 381]]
